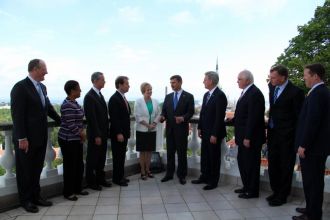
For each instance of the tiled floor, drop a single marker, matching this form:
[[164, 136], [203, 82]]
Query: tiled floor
[[152, 199]]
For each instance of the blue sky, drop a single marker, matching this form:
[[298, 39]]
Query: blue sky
[[146, 40]]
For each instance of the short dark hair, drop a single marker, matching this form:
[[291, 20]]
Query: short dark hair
[[177, 77], [95, 76], [120, 80], [70, 85], [281, 70], [33, 64], [316, 68]]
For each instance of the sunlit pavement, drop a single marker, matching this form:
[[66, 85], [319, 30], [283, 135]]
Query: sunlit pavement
[[151, 199]]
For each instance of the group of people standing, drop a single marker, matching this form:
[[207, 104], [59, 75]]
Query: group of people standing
[[296, 124]]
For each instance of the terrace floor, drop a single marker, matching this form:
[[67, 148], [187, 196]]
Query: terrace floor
[[152, 199]]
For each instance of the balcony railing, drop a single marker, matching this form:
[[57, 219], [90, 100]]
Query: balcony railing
[[51, 175]]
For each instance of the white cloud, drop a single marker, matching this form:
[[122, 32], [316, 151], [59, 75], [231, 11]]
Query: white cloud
[[131, 14], [183, 17], [126, 53], [245, 8]]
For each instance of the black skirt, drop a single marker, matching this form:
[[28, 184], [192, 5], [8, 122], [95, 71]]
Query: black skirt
[[145, 141]]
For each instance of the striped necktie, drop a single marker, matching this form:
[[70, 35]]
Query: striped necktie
[[41, 94]]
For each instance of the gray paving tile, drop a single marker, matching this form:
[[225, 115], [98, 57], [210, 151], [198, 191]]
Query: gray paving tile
[[199, 206], [130, 217], [130, 209], [209, 215], [251, 213], [105, 217], [106, 210], [176, 207], [83, 210], [59, 210], [153, 216], [52, 217], [180, 216], [153, 208], [228, 214], [152, 200]]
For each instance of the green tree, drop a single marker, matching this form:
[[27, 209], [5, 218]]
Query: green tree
[[312, 45]]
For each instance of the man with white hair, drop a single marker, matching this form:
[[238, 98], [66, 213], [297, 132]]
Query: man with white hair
[[249, 134]]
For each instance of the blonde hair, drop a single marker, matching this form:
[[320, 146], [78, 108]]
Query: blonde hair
[[144, 86]]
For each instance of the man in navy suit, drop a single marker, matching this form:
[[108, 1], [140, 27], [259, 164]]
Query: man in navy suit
[[119, 112], [178, 108], [285, 104], [249, 126], [30, 107], [312, 141], [212, 130], [96, 113]]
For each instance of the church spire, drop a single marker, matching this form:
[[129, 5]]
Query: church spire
[[216, 67]]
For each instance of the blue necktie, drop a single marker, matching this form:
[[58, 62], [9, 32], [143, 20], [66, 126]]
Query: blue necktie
[[41, 94], [175, 100], [271, 122], [275, 94], [208, 97]]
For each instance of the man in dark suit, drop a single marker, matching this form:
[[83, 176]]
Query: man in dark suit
[[119, 111], [212, 130], [285, 103], [96, 113], [249, 126], [30, 107], [312, 141], [178, 108]]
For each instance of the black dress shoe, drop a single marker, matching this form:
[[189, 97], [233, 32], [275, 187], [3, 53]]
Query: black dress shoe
[[241, 190], [126, 180], [71, 197], [248, 195], [42, 202], [106, 184], [121, 183], [271, 197], [209, 187], [182, 181], [83, 193], [301, 210], [30, 207], [301, 217], [276, 202], [198, 181], [95, 187], [166, 178]]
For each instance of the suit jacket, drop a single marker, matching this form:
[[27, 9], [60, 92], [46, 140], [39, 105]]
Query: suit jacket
[[185, 107], [119, 116], [142, 114], [28, 114], [285, 111], [313, 127], [249, 119], [96, 114], [212, 115]]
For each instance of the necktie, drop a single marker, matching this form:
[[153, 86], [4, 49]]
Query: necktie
[[175, 100], [242, 93], [275, 94], [126, 103], [271, 122], [41, 94], [208, 97], [102, 98]]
